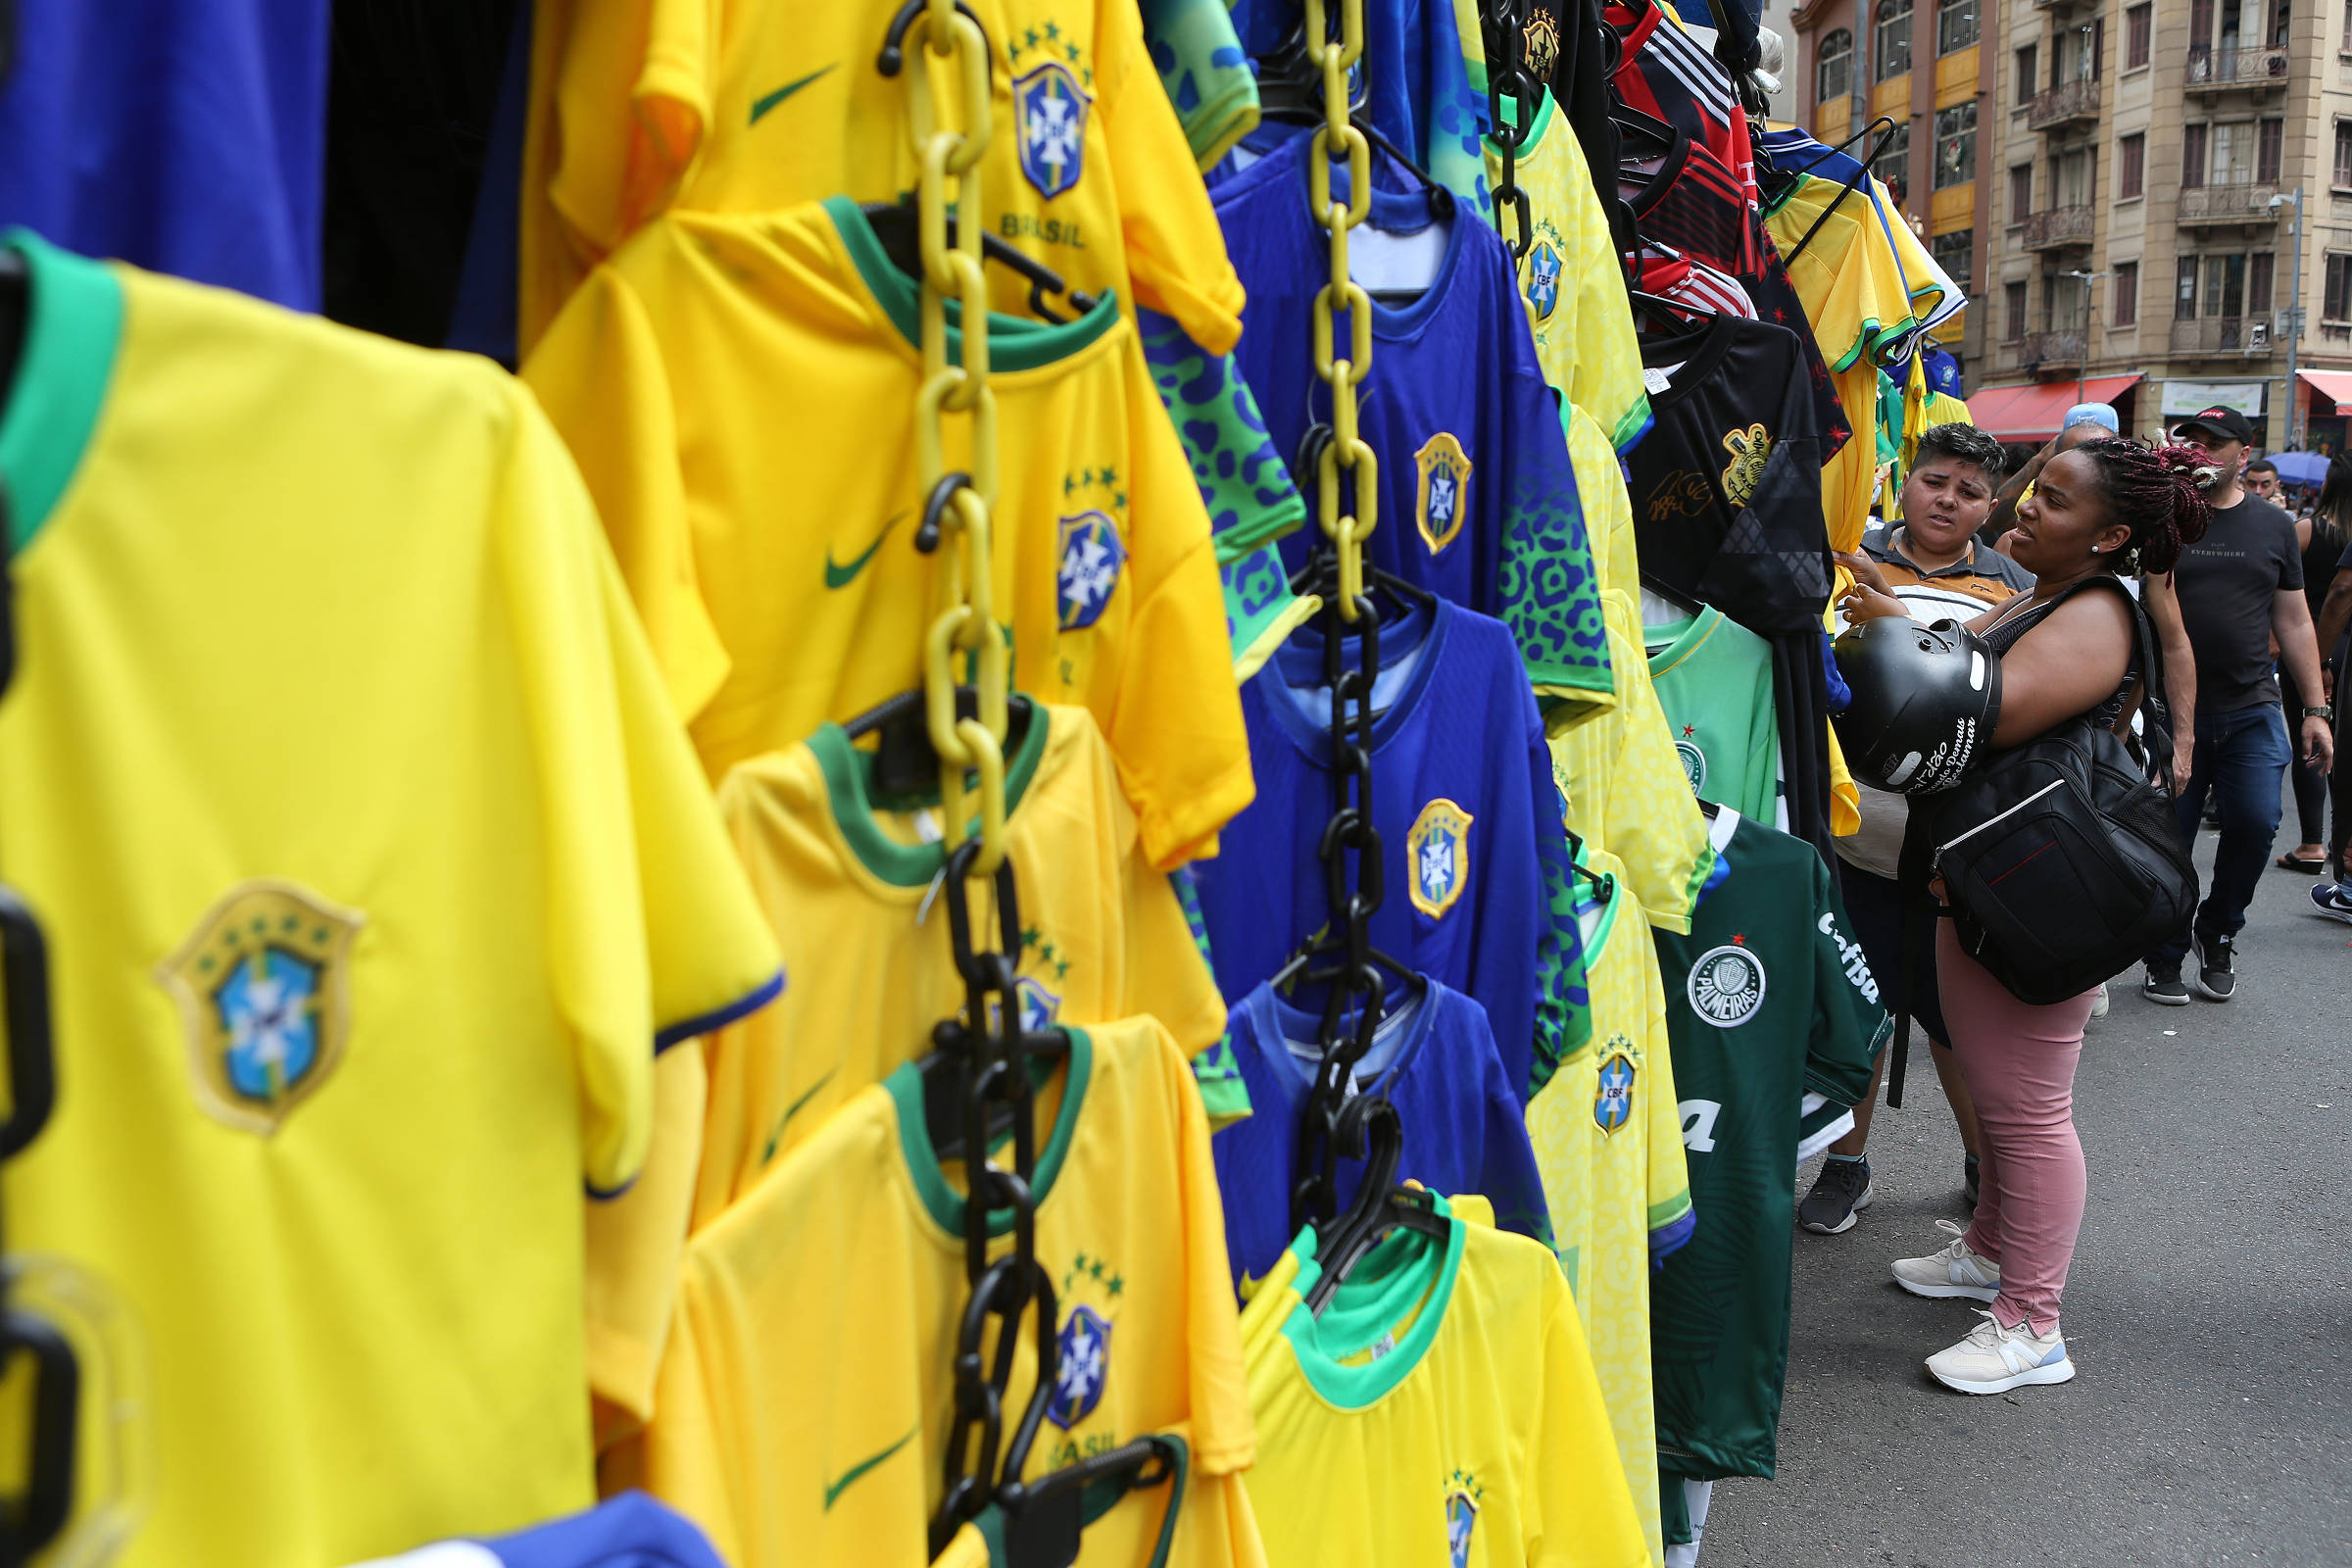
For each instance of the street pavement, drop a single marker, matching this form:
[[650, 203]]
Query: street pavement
[[2209, 1309]]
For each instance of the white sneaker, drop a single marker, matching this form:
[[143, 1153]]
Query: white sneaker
[[2098, 1005], [1956, 1271], [1994, 1359]]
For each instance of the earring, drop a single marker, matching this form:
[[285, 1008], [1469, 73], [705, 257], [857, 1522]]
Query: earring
[[2094, 549]]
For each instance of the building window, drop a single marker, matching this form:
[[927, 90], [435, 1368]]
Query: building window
[[2070, 178], [2137, 25], [1955, 145], [2020, 192], [2282, 15], [2013, 301], [2074, 55], [1956, 254], [1833, 76], [2343, 150], [2065, 303], [2259, 268], [1895, 38], [2027, 85], [2336, 302], [1892, 166], [2126, 293], [2192, 157], [2225, 285], [2131, 165], [2184, 303], [2343, 41], [2268, 136], [2200, 34], [2232, 153], [1955, 25]]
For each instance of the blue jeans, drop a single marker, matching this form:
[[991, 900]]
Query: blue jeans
[[2241, 759]]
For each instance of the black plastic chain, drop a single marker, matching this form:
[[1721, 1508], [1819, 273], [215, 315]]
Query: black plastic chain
[[1506, 77]]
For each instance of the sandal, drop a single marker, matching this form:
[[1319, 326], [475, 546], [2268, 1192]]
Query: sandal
[[2291, 862]]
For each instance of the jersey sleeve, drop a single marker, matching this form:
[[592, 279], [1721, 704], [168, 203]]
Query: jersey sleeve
[[1654, 825], [653, 933], [1602, 494], [1672, 1218], [1563, 1024], [1206, 76], [1243, 482], [1849, 1023], [599, 375], [1579, 1510], [1224, 1092], [634, 1242], [1175, 724], [1175, 251], [1548, 595], [1609, 383], [1507, 1174]]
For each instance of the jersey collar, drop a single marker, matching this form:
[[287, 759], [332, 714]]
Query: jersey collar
[[1299, 663], [1014, 343], [72, 329], [849, 774], [1428, 1277], [943, 1204]]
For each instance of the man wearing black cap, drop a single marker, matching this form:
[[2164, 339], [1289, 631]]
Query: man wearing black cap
[[2238, 587]]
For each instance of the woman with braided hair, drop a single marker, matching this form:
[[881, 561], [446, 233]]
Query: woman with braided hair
[[2104, 508]]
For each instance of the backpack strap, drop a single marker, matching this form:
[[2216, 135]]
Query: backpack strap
[[2148, 654]]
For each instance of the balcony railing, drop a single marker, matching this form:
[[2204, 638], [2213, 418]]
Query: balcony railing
[[2224, 335], [2212, 69], [2054, 227], [2244, 201], [2049, 349], [2063, 105]]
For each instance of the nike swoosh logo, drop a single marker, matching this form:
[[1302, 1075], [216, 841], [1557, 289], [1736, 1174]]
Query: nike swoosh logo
[[840, 576], [790, 1111], [858, 1470], [760, 105]]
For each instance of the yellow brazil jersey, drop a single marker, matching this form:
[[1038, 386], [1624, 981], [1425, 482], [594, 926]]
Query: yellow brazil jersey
[[1608, 510], [1570, 281], [1622, 782], [738, 106], [372, 865], [740, 393], [1608, 1134], [805, 1398], [1443, 1409]]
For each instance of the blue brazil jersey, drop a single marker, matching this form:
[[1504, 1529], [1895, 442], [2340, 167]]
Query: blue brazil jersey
[[1434, 1059], [1472, 849], [1478, 500]]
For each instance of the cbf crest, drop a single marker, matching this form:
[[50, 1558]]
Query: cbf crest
[[264, 990], [1092, 557], [1444, 495], [1082, 1350], [1437, 851], [1613, 1096], [1463, 1494], [1725, 987], [1052, 108], [1543, 277]]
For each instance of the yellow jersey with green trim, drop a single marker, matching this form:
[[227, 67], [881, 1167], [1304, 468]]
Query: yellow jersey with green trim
[[1607, 1133], [373, 867], [1621, 784], [740, 393], [737, 106], [1443, 1409], [1570, 281], [804, 1404], [1608, 509], [851, 883]]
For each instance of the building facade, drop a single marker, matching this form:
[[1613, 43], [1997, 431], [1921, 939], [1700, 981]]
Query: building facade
[[2135, 165]]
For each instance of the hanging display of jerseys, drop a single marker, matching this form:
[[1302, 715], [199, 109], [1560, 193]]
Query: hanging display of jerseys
[[1443, 1409], [1477, 501], [1768, 998], [1468, 822], [1607, 1136], [333, 1080], [1727, 485], [665, 376], [1664, 73], [640, 107], [1569, 278], [1714, 684], [1616, 773], [801, 1414], [1432, 1058]]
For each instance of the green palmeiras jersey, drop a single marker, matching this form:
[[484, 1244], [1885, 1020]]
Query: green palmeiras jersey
[[1768, 1001]]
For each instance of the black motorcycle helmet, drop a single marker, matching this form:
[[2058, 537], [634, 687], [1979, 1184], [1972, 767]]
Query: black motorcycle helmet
[[1926, 699]]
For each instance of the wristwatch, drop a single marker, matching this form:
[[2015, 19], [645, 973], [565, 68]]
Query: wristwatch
[[2326, 711]]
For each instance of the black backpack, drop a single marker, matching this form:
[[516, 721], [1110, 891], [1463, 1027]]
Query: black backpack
[[2064, 865]]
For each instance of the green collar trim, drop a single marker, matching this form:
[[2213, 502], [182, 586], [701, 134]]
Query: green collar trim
[[74, 331], [1014, 343], [943, 1204], [1429, 1278], [1545, 104], [849, 785]]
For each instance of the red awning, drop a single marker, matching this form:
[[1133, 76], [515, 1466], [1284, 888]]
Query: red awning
[[2335, 385], [2032, 412]]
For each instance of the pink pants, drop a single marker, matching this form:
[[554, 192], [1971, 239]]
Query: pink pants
[[2020, 1063]]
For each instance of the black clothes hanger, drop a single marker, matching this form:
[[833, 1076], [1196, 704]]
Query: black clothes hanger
[[1674, 596], [1441, 200], [1847, 186], [15, 312], [1370, 1128], [1604, 888], [895, 227], [1640, 133], [1671, 318], [906, 763]]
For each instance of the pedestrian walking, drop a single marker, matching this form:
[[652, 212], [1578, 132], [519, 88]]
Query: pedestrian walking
[[2322, 537]]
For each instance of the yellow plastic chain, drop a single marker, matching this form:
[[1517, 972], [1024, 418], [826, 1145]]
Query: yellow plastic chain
[[965, 624], [1336, 137]]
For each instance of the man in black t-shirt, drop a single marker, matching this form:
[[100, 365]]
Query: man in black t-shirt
[[2238, 587]]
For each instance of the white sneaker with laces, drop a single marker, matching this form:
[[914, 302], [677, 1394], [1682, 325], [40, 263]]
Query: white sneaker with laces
[[1958, 1270], [2098, 1004], [1994, 1359]]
